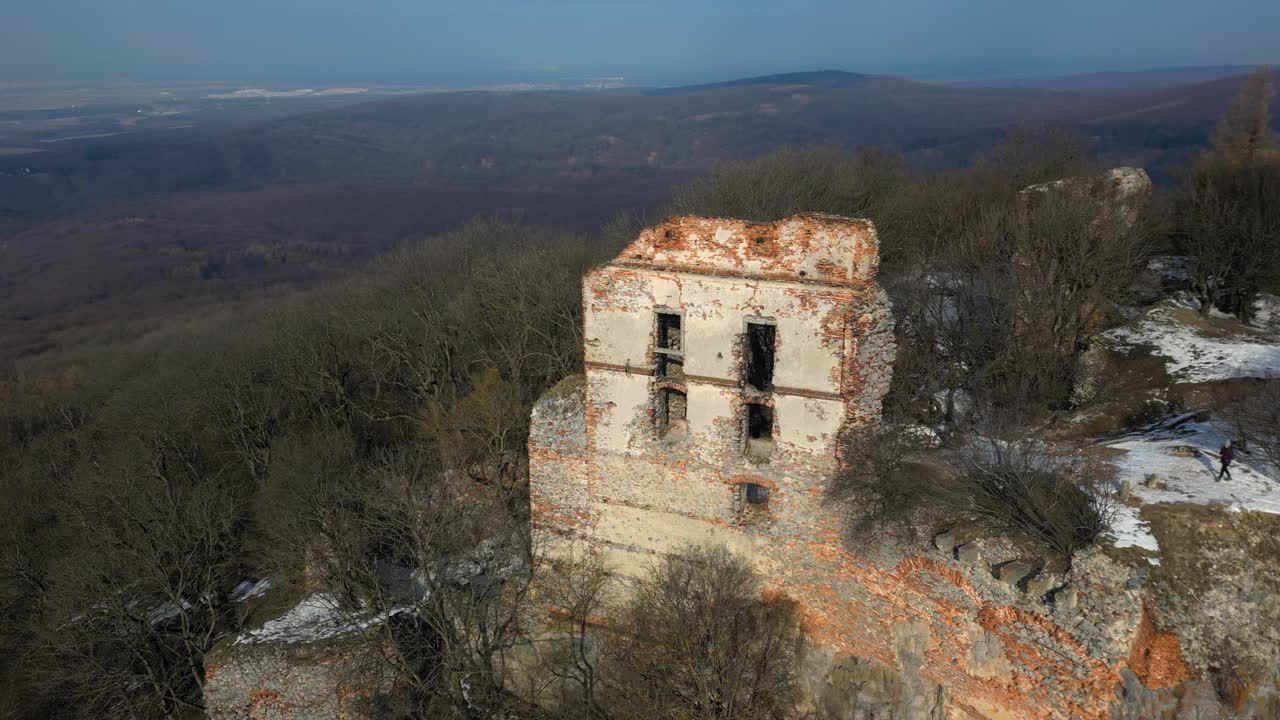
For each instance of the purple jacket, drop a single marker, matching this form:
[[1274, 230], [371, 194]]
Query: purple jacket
[[1227, 454]]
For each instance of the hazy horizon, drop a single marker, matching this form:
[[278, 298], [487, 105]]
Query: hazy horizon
[[659, 42]]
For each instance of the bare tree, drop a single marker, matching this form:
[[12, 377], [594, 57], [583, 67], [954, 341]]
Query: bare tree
[[483, 435], [574, 588], [1227, 212], [879, 482], [1006, 312], [1021, 486], [1244, 134], [446, 569], [1229, 222], [140, 597], [1031, 154], [1067, 259], [697, 640], [1000, 478], [795, 180], [1255, 417]]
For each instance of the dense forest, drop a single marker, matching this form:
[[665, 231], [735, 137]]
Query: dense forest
[[378, 423]]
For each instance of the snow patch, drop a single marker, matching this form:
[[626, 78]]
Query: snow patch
[[1169, 268], [1195, 357], [1164, 448], [317, 617], [166, 612], [1129, 530], [249, 589]]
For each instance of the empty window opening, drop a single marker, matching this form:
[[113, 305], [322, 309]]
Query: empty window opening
[[759, 422], [759, 431], [671, 367], [759, 356], [752, 503], [670, 338], [671, 411], [755, 494]]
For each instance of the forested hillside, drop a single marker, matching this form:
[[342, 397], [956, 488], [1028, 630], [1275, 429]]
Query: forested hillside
[[375, 426]]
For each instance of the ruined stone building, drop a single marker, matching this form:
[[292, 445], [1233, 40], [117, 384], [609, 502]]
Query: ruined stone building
[[723, 361]]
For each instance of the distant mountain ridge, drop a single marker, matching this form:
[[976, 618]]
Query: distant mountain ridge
[[101, 229], [1129, 81], [829, 78], [488, 135]]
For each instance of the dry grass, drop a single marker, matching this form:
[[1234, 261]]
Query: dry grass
[[1190, 537], [1212, 326]]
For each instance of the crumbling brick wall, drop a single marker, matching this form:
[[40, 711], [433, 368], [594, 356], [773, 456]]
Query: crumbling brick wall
[[609, 468]]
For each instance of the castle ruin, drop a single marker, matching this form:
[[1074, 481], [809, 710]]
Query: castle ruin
[[724, 360]]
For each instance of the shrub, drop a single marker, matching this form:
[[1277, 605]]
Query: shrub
[[1021, 488], [1017, 487], [880, 479], [698, 640]]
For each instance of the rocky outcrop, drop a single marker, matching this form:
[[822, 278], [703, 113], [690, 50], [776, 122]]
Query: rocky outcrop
[[1127, 185], [328, 679]]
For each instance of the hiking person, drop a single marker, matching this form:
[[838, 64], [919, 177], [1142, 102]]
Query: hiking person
[[1225, 455]]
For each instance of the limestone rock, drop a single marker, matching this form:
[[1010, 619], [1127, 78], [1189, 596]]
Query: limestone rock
[[945, 543], [969, 553], [1040, 585], [1015, 571]]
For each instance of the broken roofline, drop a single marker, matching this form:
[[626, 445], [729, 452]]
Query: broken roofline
[[810, 248]]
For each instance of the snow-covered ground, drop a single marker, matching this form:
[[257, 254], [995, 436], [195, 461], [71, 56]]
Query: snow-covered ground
[[1182, 451], [317, 617], [1163, 449], [1196, 356]]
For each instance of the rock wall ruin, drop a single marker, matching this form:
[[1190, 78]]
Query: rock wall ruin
[[673, 436]]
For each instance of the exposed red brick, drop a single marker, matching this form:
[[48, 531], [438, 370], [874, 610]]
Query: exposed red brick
[[1156, 658]]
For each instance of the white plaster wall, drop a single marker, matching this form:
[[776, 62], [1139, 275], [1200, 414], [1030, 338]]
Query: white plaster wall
[[664, 290], [622, 410], [807, 359], [710, 410], [619, 328], [807, 423], [714, 323], [620, 325]]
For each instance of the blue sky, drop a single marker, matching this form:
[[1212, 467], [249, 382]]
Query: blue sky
[[645, 41]]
